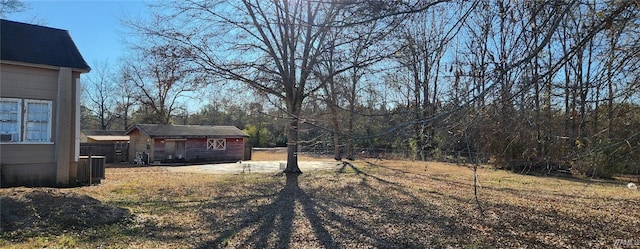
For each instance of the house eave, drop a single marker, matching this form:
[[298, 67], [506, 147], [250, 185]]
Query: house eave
[[27, 64]]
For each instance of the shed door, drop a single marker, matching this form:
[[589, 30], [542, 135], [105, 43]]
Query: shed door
[[180, 150], [169, 149], [175, 149]]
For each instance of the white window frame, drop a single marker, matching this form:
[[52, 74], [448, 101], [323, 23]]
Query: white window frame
[[22, 132], [216, 144], [47, 129], [18, 131], [47, 123]]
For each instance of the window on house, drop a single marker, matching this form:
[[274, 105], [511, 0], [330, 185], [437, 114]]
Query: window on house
[[25, 120], [10, 113], [37, 121], [216, 144]]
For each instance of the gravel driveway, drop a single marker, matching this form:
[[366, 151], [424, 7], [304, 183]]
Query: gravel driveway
[[247, 167]]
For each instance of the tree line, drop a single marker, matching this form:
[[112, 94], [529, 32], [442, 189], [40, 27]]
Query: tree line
[[532, 86]]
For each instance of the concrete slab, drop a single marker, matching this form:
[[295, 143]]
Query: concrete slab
[[248, 167]]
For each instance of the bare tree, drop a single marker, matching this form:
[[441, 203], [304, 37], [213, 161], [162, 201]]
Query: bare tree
[[99, 94], [509, 70], [125, 102], [11, 6], [351, 52], [271, 46], [327, 75], [159, 76], [424, 42]]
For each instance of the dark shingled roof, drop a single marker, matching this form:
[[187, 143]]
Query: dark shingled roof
[[179, 131], [22, 42]]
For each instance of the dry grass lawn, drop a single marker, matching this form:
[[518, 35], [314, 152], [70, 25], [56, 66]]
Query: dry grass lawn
[[366, 204]]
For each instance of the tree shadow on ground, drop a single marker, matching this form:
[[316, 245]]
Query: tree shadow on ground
[[275, 220], [373, 212]]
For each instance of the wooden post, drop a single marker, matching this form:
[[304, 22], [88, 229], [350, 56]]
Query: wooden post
[[90, 167]]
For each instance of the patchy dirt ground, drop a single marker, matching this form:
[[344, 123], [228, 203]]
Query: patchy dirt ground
[[363, 204], [41, 210]]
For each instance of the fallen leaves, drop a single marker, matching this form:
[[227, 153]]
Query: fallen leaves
[[389, 204]]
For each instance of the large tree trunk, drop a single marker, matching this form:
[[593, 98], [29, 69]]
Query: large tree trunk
[[292, 148], [294, 104]]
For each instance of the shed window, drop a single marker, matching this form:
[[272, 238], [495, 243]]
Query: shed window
[[216, 144], [10, 113]]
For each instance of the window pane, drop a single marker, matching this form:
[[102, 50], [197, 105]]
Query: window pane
[[8, 106], [36, 131], [9, 120], [216, 144], [37, 112], [210, 144], [220, 144]]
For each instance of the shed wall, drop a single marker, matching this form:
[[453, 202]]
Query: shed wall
[[196, 150], [137, 144]]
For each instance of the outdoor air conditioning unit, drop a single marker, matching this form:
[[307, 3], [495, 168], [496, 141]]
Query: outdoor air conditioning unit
[[6, 137], [91, 169]]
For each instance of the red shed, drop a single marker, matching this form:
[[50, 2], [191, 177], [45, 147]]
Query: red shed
[[186, 143]]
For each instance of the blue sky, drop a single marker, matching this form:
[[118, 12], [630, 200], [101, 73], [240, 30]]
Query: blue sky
[[94, 25]]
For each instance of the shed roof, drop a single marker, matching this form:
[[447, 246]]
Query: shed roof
[[155, 130], [108, 138], [103, 132], [28, 43]]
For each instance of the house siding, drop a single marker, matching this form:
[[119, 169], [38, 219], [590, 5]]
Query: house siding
[[23, 82], [28, 82], [29, 174], [30, 164], [74, 124], [27, 153], [65, 129]]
